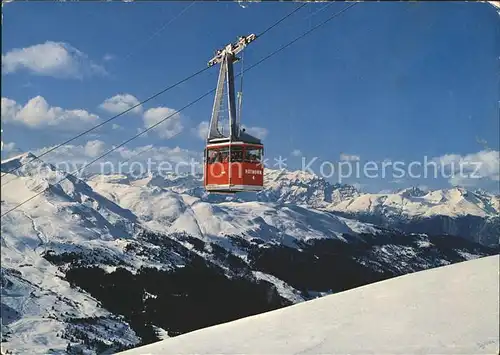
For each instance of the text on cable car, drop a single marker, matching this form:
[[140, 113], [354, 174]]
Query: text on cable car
[[253, 172]]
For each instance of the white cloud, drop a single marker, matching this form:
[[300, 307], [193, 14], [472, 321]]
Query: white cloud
[[9, 150], [5, 147], [202, 130], [258, 132], [159, 154], [296, 153], [116, 126], [9, 109], [94, 148], [471, 169], [143, 135], [38, 113], [108, 57], [120, 103], [56, 59], [8, 147], [71, 158], [349, 157], [167, 129]]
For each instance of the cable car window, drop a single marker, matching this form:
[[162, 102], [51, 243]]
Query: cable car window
[[212, 155], [236, 154], [253, 155], [218, 155], [223, 155]]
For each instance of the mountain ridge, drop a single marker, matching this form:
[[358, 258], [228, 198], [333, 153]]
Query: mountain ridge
[[442, 211]]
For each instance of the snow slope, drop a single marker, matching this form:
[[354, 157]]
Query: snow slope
[[447, 310]]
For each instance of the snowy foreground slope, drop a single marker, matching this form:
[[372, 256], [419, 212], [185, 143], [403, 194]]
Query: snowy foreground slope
[[95, 265], [448, 310]]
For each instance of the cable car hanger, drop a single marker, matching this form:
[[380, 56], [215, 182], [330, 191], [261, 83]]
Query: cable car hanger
[[227, 57]]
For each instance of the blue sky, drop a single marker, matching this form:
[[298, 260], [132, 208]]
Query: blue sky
[[399, 81]]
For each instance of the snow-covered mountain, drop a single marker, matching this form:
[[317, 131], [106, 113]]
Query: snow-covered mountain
[[113, 262], [474, 215], [281, 186], [166, 211], [40, 309], [429, 312]]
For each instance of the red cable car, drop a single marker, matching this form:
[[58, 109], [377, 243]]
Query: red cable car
[[233, 161]]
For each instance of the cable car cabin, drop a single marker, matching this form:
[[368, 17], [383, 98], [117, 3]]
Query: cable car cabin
[[232, 167]]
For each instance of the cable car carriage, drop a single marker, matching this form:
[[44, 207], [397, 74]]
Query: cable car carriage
[[233, 159], [234, 165]]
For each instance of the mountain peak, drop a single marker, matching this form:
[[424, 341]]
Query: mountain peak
[[21, 157], [413, 191], [17, 161]]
